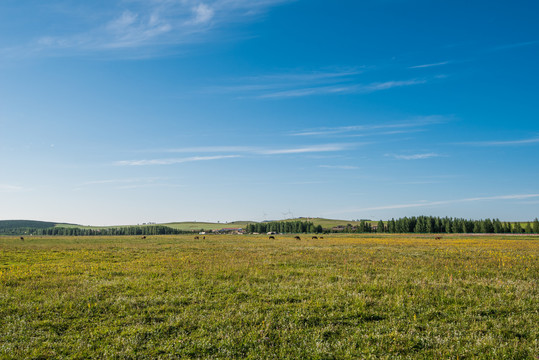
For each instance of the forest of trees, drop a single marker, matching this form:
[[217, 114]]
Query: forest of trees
[[74, 231], [284, 227], [418, 225], [430, 224]]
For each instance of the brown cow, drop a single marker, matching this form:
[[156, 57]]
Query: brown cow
[[144, 237], [314, 238], [438, 238], [196, 238], [297, 238]]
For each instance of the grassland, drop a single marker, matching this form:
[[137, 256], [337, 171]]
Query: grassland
[[342, 297]]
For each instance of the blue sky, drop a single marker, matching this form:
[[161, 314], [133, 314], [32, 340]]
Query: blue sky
[[129, 111]]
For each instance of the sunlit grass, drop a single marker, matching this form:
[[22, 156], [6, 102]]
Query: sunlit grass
[[249, 297]]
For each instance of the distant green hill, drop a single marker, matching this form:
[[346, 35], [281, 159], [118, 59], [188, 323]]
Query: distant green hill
[[330, 223], [22, 226], [31, 224], [14, 227], [195, 225]]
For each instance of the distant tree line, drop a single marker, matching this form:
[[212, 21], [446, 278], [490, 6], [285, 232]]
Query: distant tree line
[[284, 227], [418, 225], [74, 231], [430, 224]]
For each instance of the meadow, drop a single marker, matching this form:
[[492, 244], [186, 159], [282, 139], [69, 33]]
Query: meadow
[[248, 297]]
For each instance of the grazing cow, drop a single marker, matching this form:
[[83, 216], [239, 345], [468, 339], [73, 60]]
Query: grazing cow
[[144, 237], [297, 238], [272, 237], [315, 238], [321, 237], [22, 238], [204, 237], [196, 238], [438, 238]]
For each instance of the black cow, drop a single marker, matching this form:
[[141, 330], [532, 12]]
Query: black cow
[[315, 238], [272, 237], [22, 238], [297, 238], [196, 238]]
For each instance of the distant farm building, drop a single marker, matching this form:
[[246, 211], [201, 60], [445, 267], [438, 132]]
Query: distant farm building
[[229, 231]]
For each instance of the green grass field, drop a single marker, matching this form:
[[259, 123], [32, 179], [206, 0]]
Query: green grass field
[[342, 297]]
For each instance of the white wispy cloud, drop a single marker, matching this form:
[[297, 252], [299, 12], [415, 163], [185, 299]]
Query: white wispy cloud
[[515, 45], [142, 24], [341, 89], [306, 149], [292, 83], [456, 201], [257, 150], [444, 202], [430, 65], [413, 124], [151, 185], [10, 188], [391, 84], [173, 161], [130, 183], [534, 140], [244, 150], [210, 149], [121, 181], [301, 83], [202, 14], [341, 167], [415, 156]]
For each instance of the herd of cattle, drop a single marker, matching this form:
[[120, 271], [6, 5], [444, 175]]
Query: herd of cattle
[[273, 237]]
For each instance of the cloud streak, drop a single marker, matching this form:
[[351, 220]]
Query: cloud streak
[[6, 188], [502, 142], [416, 156], [515, 45], [307, 149], [447, 202], [339, 167], [301, 83], [252, 151], [414, 124], [341, 89], [130, 183], [173, 161], [429, 65], [128, 26]]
